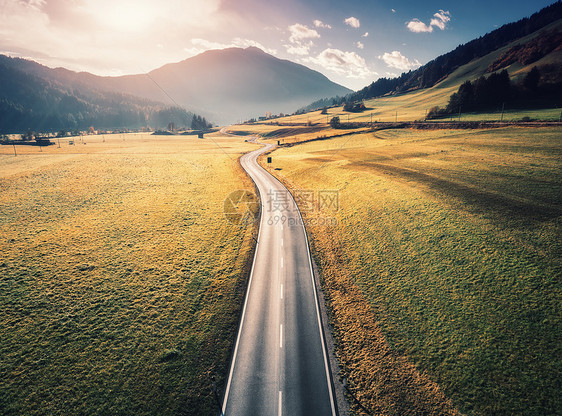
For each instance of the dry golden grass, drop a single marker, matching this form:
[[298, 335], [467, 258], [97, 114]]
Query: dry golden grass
[[120, 280], [413, 106], [287, 134], [443, 271]]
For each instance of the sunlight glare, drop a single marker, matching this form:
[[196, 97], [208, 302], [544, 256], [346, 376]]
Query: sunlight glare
[[125, 16]]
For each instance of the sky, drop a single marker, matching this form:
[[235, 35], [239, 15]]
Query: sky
[[352, 42]]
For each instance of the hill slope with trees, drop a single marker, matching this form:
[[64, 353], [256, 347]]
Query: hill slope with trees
[[29, 101], [438, 69]]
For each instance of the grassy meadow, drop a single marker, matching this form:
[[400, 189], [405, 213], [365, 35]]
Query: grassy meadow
[[121, 281], [443, 271]]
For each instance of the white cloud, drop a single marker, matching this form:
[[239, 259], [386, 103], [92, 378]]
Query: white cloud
[[439, 20], [353, 22], [300, 39], [393, 11], [396, 60], [300, 32], [349, 64], [321, 24], [365, 34], [207, 44], [417, 26], [360, 45], [298, 49]]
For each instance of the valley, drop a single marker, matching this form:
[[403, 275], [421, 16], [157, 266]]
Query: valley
[[235, 231]]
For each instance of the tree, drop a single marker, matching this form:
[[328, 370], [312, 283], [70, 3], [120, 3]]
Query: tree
[[28, 135], [200, 123], [499, 87], [462, 99], [335, 122], [531, 80], [436, 112]]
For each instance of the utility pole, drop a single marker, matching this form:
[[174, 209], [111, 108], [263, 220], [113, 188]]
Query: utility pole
[[371, 119], [503, 106], [15, 153], [396, 116]]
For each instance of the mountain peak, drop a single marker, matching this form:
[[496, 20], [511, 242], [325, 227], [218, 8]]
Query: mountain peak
[[239, 83], [255, 49]]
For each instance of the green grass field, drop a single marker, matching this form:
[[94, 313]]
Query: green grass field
[[444, 266], [121, 281]]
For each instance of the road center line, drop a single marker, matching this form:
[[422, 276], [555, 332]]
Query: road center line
[[280, 409], [281, 290]]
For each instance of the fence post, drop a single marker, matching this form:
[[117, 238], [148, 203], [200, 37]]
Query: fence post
[[503, 106]]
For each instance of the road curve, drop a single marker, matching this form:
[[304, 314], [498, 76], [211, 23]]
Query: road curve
[[280, 364]]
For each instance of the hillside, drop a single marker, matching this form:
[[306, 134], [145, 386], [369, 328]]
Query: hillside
[[512, 57], [231, 84], [34, 97], [475, 58]]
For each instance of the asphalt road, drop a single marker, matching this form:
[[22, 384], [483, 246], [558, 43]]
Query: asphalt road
[[280, 365]]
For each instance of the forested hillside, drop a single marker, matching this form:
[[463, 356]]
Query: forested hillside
[[436, 70], [30, 102]]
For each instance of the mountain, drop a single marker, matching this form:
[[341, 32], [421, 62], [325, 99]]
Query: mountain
[[34, 97], [223, 85], [231, 84], [544, 24]]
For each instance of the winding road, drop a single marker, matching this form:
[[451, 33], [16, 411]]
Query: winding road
[[280, 364]]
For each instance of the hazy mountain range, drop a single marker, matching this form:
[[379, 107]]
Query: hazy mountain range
[[222, 85], [231, 84]]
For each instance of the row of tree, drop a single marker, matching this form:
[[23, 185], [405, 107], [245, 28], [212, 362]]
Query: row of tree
[[486, 93], [199, 123]]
